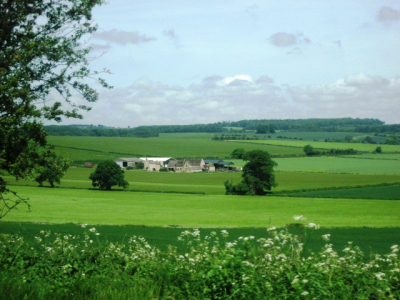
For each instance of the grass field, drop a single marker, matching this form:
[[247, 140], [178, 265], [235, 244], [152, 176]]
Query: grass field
[[339, 165], [327, 145], [119, 208], [377, 192], [212, 183], [155, 200], [95, 149]]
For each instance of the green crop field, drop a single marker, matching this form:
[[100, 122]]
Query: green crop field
[[100, 148], [130, 208], [326, 145], [339, 165], [391, 192], [212, 183], [157, 204]]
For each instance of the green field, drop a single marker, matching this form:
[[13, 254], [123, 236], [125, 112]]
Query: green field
[[391, 192], [333, 164], [326, 145], [95, 149], [212, 183], [159, 199], [119, 208]]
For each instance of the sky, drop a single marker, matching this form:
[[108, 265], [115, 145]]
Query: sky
[[183, 62]]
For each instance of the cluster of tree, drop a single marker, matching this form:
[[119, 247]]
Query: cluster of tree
[[393, 140], [41, 52], [258, 175], [258, 126], [265, 128], [337, 124], [289, 138], [224, 137], [310, 151], [395, 128], [90, 130]]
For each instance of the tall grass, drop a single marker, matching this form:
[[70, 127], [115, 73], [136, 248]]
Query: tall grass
[[205, 267]]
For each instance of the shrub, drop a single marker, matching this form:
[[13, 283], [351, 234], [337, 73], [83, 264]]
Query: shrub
[[209, 267]]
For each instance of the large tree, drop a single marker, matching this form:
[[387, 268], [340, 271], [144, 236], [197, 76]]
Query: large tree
[[107, 174], [43, 76], [258, 175]]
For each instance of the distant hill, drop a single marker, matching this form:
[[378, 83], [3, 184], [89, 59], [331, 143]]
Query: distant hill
[[260, 126]]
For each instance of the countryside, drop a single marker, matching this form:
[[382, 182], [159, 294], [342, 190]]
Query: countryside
[[352, 198], [199, 150]]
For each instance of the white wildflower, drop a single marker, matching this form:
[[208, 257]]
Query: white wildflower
[[305, 293], [326, 237], [379, 275], [299, 218]]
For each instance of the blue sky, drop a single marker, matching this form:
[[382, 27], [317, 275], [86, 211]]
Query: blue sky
[[189, 62]]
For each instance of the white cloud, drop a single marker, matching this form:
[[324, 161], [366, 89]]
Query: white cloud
[[148, 102], [122, 37], [284, 39], [229, 80], [388, 14], [170, 33]]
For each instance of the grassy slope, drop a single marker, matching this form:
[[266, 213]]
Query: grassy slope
[[378, 192], [212, 183], [100, 148], [327, 146], [339, 165], [118, 207]]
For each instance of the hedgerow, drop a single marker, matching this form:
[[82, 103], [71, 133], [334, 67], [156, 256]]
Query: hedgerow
[[203, 267]]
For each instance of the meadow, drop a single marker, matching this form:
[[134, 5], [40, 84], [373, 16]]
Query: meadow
[[367, 148], [353, 198]]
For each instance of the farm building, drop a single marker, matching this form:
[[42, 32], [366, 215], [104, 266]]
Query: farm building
[[219, 164], [187, 165], [156, 163], [128, 162]]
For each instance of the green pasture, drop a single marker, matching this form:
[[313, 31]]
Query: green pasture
[[95, 149], [220, 211], [391, 192], [382, 156], [212, 183], [316, 136], [334, 164], [326, 145]]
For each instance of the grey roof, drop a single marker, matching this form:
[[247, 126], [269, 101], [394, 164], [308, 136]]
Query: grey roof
[[194, 161], [129, 159]]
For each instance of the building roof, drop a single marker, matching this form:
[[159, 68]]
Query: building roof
[[218, 162], [162, 159], [194, 161], [129, 159]]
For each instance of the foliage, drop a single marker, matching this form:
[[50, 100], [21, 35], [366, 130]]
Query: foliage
[[203, 267], [90, 130], [41, 53], [378, 150], [107, 174], [261, 126], [238, 153], [258, 175], [309, 150], [50, 168]]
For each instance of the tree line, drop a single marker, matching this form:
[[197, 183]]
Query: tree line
[[258, 126]]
